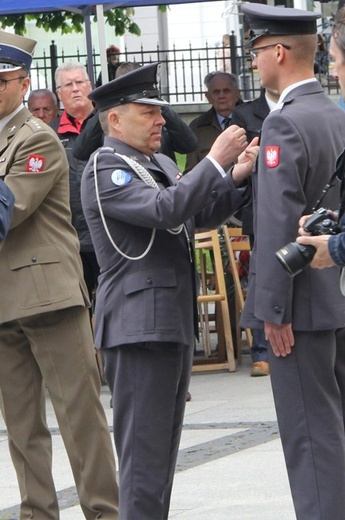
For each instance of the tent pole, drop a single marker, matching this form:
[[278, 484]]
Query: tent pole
[[90, 68], [102, 46]]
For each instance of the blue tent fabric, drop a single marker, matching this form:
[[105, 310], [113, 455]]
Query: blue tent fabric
[[8, 7]]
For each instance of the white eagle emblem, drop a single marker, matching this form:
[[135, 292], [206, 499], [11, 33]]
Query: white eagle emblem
[[272, 156], [35, 163]]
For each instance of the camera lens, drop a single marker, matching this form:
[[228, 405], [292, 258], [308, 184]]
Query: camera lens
[[294, 257]]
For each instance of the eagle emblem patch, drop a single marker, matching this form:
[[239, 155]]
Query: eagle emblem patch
[[272, 156], [35, 163]]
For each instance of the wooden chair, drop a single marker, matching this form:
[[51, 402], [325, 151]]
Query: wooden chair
[[236, 242], [213, 307]]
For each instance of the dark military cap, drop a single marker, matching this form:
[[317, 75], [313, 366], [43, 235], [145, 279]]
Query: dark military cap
[[15, 52], [265, 20], [137, 86]]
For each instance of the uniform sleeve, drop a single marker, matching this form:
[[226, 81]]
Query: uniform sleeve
[[39, 161], [182, 137], [125, 197], [336, 245], [89, 139], [6, 209], [280, 203]]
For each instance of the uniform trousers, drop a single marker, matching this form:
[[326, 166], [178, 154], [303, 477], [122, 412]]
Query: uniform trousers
[[149, 383], [309, 393], [55, 350]]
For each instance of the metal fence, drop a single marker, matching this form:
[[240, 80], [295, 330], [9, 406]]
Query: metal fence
[[183, 70]]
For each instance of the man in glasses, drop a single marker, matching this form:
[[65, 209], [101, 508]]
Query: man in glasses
[[45, 334], [73, 86], [300, 142]]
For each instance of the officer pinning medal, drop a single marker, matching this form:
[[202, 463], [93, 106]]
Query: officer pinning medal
[[142, 215]]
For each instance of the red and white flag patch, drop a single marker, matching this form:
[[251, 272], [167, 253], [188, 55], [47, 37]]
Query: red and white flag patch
[[272, 156], [35, 163]]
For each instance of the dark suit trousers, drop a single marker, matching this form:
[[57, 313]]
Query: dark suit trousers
[[309, 393], [55, 350], [149, 383]]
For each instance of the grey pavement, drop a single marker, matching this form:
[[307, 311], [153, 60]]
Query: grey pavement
[[230, 464]]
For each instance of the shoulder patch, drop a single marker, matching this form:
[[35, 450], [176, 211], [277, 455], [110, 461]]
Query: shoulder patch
[[120, 177], [35, 163], [272, 156]]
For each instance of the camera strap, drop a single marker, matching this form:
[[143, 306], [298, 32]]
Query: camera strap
[[339, 173]]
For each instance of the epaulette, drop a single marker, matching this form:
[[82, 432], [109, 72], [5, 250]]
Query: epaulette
[[34, 123]]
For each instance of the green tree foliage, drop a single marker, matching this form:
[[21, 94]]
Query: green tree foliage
[[67, 22]]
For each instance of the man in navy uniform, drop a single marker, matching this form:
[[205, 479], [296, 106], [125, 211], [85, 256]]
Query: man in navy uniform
[[141, 213], [300, 142]]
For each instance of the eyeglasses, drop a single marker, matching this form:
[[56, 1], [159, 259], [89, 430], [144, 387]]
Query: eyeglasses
[[254, 52], [3, 82], [69, 86]]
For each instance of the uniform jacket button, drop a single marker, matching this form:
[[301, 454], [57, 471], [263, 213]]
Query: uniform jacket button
[[214, 194], [149, 281], [277, 309], [33, 259]]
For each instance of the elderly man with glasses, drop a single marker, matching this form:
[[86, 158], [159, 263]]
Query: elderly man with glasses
[[73, 87]]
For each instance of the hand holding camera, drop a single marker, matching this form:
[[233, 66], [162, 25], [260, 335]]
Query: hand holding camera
[[295, 256]]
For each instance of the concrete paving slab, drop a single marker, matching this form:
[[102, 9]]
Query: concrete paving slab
[[230, 463]]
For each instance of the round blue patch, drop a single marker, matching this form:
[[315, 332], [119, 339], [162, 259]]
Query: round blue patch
[[121, 177]]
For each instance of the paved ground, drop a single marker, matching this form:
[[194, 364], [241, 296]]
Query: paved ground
[[230, 464]]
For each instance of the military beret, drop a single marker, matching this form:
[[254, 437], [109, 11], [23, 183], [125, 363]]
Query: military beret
[[137, 86], [15, 52], [265, 20]]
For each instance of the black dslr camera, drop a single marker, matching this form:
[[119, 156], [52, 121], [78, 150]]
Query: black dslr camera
[[294, 257]]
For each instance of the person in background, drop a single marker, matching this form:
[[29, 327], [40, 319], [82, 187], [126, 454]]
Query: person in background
[[113, 64], [303, 316], [73, 86], [141, 213], [250, 116], [330, 250], [223, 94], [45, 335], [42, 104], [223, 61]]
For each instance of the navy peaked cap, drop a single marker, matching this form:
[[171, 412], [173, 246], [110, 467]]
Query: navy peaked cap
[[138, 86], [265, 20], [15, 52]]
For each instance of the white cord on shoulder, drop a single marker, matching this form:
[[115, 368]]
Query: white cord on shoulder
[[106, 225], [149, 180]]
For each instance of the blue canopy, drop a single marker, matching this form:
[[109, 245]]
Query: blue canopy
[[8, 7], [86, 8]]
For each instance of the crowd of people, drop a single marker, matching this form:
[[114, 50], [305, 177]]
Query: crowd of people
[[97, 226]]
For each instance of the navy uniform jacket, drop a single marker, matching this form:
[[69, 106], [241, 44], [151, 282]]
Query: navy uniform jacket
[[154, 298], [6, 209], [300, 142]]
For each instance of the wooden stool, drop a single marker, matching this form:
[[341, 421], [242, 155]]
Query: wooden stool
[[207, 243], [236, 242]]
